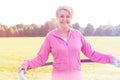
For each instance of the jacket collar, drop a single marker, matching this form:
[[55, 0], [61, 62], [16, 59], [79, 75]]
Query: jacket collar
[[56, 33]]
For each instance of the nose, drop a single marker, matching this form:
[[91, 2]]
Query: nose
[[65, 18]]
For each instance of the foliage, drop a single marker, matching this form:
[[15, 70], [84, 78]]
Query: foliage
[[33, 30]]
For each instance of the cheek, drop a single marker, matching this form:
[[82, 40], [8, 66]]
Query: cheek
[[69, 21], [59, 19]]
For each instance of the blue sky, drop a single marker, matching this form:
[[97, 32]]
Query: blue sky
[[96, 12]]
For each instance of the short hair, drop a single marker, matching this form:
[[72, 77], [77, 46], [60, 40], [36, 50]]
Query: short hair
[[67, 8]]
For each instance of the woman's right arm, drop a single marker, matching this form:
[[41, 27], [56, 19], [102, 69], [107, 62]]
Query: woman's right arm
[[40, 59]]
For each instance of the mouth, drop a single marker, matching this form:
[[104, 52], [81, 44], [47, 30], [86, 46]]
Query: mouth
[[65, 23]]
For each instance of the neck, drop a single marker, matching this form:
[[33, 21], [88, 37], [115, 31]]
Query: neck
[[63, 32]]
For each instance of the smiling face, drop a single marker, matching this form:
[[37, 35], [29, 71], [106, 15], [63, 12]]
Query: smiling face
[[64, 17]]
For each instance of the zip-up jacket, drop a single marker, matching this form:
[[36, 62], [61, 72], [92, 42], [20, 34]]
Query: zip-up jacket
[[66, 55]]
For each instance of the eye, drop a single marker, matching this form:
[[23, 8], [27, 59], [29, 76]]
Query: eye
[[62, 16]]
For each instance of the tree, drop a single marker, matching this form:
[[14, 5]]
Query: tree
[[11, 32], [89, 30], [108, 30], [3, 30], [77, 26], [99, 31], [117, 30]]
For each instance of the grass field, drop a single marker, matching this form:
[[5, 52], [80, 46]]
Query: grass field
[[14, 50]]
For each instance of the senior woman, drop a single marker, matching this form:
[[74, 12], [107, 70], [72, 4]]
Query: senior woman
[[65, 44]]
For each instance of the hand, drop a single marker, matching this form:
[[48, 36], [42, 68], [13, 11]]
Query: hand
[[116, 62], [23, 67]]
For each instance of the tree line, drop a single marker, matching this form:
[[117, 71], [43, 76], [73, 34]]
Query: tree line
[[33, 30]]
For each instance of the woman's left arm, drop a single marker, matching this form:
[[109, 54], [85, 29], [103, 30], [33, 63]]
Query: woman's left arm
[[95, 55]]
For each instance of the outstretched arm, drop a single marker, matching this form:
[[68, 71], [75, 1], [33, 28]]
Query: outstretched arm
[[40, 59], [95, 55]]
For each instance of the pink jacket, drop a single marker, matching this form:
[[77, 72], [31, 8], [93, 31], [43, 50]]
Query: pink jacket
[[66, 55]]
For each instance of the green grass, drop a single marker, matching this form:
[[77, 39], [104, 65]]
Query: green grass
[[13, 51]]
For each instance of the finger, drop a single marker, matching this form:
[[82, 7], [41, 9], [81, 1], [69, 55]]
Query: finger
[[22, 67], [118, 63], [19, 69], [25, 68]]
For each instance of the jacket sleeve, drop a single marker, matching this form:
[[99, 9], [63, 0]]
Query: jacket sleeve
[[41, 57], [94, 55]]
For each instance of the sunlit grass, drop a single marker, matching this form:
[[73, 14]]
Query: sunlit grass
[[13, 51]]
